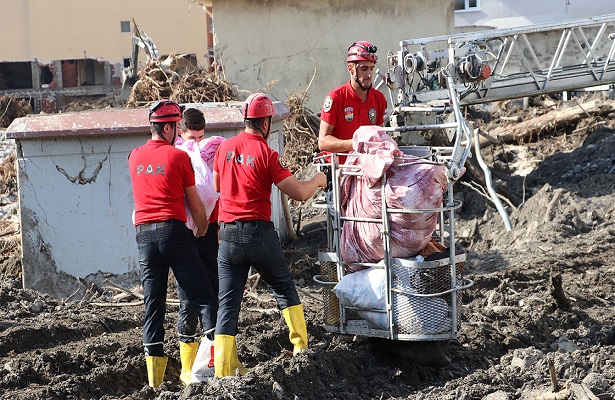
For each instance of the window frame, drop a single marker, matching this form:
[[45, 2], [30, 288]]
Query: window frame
[[467, 6], [123, 25]]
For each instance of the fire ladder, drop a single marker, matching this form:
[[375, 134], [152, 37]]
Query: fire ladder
[[429, 80]]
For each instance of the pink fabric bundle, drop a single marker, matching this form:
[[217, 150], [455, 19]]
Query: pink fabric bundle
[[418, 186], [207, 147]]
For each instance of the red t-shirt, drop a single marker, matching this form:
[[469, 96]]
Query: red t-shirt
[[159, 174], [247, 167], [345, 110]]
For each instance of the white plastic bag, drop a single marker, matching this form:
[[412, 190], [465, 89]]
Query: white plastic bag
[[365, 289], [204, 181], [203, 367]]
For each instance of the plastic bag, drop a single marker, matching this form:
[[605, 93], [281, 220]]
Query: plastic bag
[[203, 367], [204, 181], [365, 289]]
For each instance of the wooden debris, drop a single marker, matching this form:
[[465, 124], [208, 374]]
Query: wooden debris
[[11, 108], [158, 80], [580, 391], [123, 289], [288, 217], [548, 122], [573, 391], [300, 133], [553, 375]]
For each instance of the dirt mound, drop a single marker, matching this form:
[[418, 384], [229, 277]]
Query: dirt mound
[[539, 318]]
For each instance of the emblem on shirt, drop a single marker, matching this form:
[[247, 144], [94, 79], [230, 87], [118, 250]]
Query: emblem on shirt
[[348, 114], [282, 162], [372, 115], [328, 103]]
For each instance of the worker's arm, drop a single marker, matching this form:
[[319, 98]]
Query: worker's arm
[[302, 190], [197, 209], [328, 142], [217, 181]]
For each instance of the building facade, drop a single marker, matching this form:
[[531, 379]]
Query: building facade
[[291, 46], [476, 15], [65, 49]]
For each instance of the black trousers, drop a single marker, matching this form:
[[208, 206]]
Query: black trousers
[[163, 246], [187, 318]]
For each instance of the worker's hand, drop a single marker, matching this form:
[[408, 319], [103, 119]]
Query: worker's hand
[[202, 230], [321, 179]]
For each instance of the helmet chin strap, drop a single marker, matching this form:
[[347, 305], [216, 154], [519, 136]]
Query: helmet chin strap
[[356, 78], [268, 130], [172, 142]]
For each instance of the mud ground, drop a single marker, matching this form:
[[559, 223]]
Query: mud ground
[[542, 301]]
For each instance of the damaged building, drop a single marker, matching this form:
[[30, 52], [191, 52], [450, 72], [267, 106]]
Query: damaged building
[[68, 50]]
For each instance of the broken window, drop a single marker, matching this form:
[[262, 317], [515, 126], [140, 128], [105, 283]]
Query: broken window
[[91, 72], [46, 74], [16, 75]]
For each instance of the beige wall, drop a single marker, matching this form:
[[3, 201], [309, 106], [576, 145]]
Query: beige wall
[[73, 29], [287, 42]]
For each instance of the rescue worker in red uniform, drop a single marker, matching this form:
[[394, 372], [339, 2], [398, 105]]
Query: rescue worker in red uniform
[[193, 128], [162, 177], [348, 107], [353, 104], [244, 170]]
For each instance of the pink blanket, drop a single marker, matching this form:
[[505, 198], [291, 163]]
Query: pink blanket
[[418, 186]]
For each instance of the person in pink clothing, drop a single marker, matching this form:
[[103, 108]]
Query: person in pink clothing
[[192, 127]]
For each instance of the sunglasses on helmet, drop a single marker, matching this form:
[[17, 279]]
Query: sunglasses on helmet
[[370, 49], [363, 51]]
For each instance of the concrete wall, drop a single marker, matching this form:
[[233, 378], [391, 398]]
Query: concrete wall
[[494, 14], [77, 29], [293, 45]]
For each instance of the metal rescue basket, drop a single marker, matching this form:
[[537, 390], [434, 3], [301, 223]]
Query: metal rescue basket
[[422, 298]]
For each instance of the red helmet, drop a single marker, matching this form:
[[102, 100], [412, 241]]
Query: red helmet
[[257, 105], [165, 110], [362, 51]]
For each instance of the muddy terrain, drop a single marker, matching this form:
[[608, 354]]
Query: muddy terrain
[[538, 323]]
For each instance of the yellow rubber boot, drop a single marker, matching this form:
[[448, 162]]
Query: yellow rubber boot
[[226, 361], [156, 365], [235, 363], [296, 324], [223, 348], [187, 354]]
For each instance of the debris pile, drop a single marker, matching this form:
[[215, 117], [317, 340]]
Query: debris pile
[[8, 175], [300, 133], [158, 79], [11, 108], [83, 103]]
